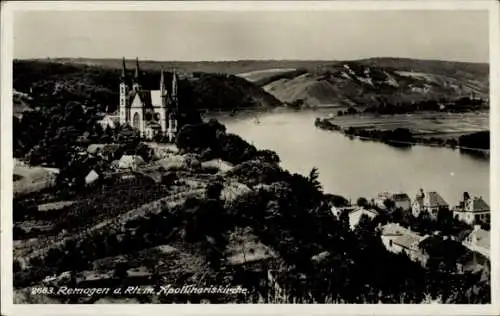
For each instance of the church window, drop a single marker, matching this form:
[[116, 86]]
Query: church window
[[136, 121], [157, 116]]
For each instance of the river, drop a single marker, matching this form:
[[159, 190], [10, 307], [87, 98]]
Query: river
[[355, 168]]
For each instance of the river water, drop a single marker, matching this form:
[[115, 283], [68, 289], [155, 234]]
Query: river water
[[355, 168]]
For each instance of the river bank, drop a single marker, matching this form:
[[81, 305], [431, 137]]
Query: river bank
[[406, 135]]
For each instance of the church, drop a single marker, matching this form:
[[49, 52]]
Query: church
[[152, 112]]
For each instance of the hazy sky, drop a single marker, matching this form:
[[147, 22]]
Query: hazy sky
[[203, 35]]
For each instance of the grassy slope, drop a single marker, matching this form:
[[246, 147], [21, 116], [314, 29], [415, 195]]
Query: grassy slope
[[365, 82]]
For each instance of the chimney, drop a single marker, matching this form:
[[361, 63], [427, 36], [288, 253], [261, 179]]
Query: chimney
[[466, 196]]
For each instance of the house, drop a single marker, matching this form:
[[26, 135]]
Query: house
[[402, 201], [336, 211], [91, 177], [105, 151], [472, 210], [94, 149], [409, 243], [448, 250], [478, 240], [355, 213], [355, 216], [130, 162], [381, 198], [472, 261], [107, 121], [398, 239], [431, 202]]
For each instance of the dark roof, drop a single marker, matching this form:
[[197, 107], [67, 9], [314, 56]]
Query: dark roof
[[400, 197], [479, 205], [145, 97], [435, 200]]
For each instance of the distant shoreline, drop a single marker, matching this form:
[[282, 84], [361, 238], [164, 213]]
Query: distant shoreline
[[325, 124]]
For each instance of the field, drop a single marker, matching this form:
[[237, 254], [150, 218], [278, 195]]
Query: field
[[424, 125], [261, 74], [32, 179]]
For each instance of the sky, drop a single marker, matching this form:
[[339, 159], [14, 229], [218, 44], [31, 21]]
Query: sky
[[222, 35]]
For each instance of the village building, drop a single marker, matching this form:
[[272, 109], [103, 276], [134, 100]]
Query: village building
[[355, 213], [478, 240], [402, 201], [107, 121], [472, 210], [472, 261], [431, 202], [398, 239], [130, 162], [152, 112], [380, 199], [91, 177]]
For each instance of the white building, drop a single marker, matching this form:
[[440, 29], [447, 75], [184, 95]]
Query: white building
[[130, 162], [472, 210], [107, 121], [152, 112], [91, 177], [431, 202], [355, 213], [478, 240], [398, 239]]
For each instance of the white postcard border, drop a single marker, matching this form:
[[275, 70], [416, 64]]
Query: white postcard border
[[8, 308]]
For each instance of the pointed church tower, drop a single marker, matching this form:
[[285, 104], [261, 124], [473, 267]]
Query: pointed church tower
[[173, 113], [123, 95], [137, 85], [164, 103], [174, 92]]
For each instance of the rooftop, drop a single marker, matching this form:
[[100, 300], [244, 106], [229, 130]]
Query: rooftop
[[400, 197], [479, 205], [435, 200], [481, 237], [394, 229], [431, 199], [408, 240]]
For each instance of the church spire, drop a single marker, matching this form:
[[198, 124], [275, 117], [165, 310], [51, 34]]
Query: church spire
[[137, 85], [162, 81], [124, 70], [174, 89], [137, 68]]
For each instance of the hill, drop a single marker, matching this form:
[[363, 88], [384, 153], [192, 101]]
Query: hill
[[228, 67], [367, 82], [372, 82], [97, 85]]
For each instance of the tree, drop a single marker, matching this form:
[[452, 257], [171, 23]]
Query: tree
[[389, 204], [214, 190], [314, 179], [362, 202], [121, 271]]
